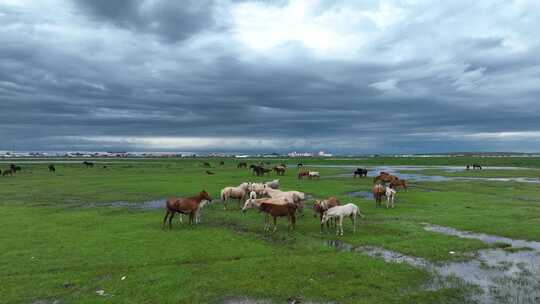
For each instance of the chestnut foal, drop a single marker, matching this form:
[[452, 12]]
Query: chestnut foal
[[184, 205]]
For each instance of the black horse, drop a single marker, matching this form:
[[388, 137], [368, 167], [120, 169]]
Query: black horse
[[259, 170], [52, 168], [15, 168], [476, 166], [88, 164], [362, 172]]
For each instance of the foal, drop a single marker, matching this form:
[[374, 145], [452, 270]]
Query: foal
[[184, 205], [320, 207], [339, 212], [390, 196]]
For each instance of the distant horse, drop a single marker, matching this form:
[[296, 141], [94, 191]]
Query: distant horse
[[476, 166], [207, 165], [360, 172], [320, 207], [314, 174], [15, 168], [398, 182], [259, 170], [209, 172], [242, 165], [88, 164], [468, 167], [299, 165], [302, 173], [7, 172], [378, 192], [385, 178], [222, 163], [339, 212], [52, 168], [188, 205], [280, 170]]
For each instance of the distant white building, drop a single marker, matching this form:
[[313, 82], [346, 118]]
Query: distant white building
[[324, 154], [300, 154]]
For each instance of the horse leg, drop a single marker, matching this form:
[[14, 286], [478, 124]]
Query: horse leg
[[322, 224], [165, 219], [170, 219], [275, 224], [353, 219]]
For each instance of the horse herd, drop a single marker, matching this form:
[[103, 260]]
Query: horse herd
[[268, 199]]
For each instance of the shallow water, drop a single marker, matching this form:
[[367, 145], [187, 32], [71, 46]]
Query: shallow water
[[395, 170], [502, 276], [365, 194]]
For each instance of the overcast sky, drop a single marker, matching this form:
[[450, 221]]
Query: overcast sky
[[399, 76]]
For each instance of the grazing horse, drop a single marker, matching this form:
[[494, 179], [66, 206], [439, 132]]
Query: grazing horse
[[280, 170], [88, 164], [339, 212], [222, 163], [209, 172], [257, 188], [314, 174], [207, 165], [302, 173], [320, 207], [187, 205], [238, 193], [259, 170], [299, 165], [378, 192], [476, 166], [362, 172], [468, 167], [242, 165], [390, 196], [7, 172], [295, 197], [52, 168]]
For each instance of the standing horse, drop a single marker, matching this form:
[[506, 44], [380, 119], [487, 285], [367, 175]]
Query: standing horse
[[7, 172], [207, 165], [385, 178], [222, 163], [275, 208], [476, 166], [339, 212], [88, 164], [397, 182], [302, 173], [52, 169], [280, 170], [320, 207], [299, 165], [238, 193], [390, 196], [314, 174], [378, 192], [241, 165], [361, 172], [187, 205]]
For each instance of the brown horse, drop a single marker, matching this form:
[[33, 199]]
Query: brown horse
[[320, 208], [378, 192], [399, 183], [280, 170], [275, 210], [302, 173], [242, 165], [385, 178], [184, 205], [7, 172]]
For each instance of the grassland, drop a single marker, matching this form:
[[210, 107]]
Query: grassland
[[63, 237]]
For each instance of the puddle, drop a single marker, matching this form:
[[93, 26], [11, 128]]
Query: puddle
[[146, 205], [395, 170], [486, 238], [501, 276], [364, 194]]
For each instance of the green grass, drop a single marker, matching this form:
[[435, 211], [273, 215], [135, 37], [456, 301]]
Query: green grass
[[62, 240]]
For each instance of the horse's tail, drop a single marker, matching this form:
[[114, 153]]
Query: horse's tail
[[222, 195]]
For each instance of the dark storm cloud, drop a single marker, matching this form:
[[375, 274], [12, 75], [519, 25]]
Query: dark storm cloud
[[213, 75]]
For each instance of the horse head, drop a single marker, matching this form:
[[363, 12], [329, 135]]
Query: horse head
[[205, 196]]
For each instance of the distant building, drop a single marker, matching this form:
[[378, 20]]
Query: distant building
[[324, 154]]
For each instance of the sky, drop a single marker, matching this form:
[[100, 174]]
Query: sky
[[389, 76]]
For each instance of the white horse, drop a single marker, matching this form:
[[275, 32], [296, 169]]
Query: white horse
[[273, 184], [339, 212], [257, 187], [238, 192], [390, 196], [313, 174]]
